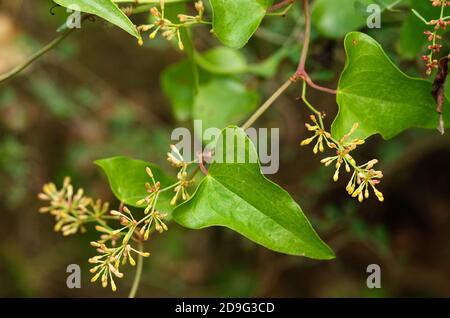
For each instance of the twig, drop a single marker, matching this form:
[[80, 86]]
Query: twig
[[310, 106], [439, 90], [310, 82], [137, 277], [267, 104], [301, 69], [299, 74], [306, 39], [35, 56]]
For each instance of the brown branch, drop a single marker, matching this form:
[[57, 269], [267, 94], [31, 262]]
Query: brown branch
[[18, 69], [300, 73]]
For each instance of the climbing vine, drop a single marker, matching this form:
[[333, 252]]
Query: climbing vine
[[373, 96]]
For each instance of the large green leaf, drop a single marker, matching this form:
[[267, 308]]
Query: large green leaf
[[223, 101], [127, 178], [239, 197], [376, 94], [235, 21], [105, 9]]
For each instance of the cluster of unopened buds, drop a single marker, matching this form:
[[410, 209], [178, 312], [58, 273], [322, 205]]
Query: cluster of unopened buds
[[72, 210], [433, 37], [176, 160], [169, 29], [364, 177], [107, 263], [110, 258]]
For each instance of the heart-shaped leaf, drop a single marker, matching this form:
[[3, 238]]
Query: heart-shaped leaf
[[105, 9], [127, 178], [237, 196], [376, 94], [235, 21]]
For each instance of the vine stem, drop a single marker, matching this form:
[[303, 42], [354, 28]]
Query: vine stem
[[137, 277], [306, 39], [310, 106], [35, 56], [301, 69], [267, 104], [280, 5], [300, 73]]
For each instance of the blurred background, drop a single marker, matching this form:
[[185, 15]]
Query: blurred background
[[99, 94]]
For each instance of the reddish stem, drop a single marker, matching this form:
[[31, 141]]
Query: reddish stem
[[301, 72], [306, 39], [310, 82], [201, 164], [280, 5]]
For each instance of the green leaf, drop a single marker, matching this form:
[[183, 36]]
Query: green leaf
[[222, 60], [235, 21], [127, 178], [226, 61], [234, 103], [186, 38], [179, 85], [239, 197], [105, 9], [223, 101], [376, 94], [334, 19], [268, 68], [179, 81]]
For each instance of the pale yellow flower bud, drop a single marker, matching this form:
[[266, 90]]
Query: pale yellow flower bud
[[336, 175], [307, 141], [360, 197], [149, 172]]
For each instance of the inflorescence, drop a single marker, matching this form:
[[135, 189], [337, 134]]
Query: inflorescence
[[72, 210], [117, 245], [364, 177], [432, 35], [169, 29]]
